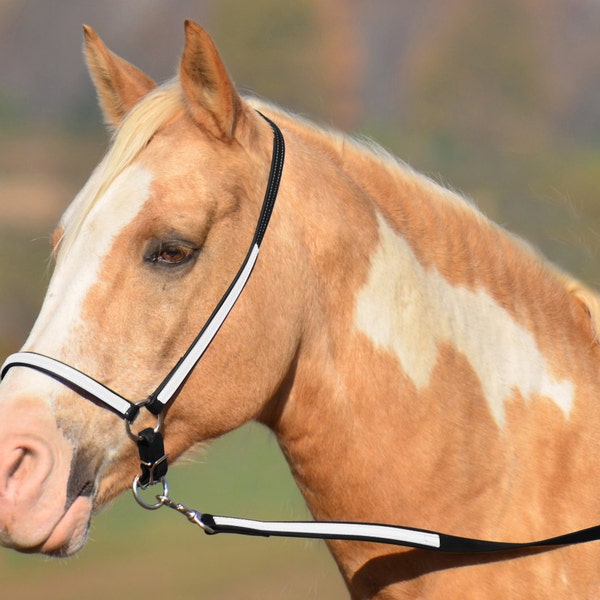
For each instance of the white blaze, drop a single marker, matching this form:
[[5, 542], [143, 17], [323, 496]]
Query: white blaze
[[407, 310], [77, 271]]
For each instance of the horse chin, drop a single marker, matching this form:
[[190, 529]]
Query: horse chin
[[71, 532]]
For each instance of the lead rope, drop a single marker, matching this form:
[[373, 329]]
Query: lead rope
[[361, 532], [154, 468]]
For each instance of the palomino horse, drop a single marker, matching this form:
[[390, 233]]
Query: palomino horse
[[418, 364]]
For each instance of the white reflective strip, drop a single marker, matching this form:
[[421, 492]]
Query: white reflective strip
[[197, 350], [351, 530], [81, 380]]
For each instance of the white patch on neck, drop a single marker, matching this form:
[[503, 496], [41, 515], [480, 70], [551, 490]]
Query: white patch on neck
[[407, 310], [79, 270]]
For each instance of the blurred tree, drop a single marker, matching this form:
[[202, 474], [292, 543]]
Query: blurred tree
[[272, 49], [345, 58], [480, 76]]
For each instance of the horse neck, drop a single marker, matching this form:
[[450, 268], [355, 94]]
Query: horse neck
[[437, 348]]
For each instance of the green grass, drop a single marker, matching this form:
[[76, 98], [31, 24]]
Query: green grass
[[132, 551], [23, 277]]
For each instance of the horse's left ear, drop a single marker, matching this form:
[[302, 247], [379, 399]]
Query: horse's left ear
[[212, 100], [119, 85]]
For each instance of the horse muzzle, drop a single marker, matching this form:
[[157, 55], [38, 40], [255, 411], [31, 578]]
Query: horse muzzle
[[36, 512]]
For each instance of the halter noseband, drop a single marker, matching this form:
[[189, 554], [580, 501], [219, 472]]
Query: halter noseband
[[98, 393]]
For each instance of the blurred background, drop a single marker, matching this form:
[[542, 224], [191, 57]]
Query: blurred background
[[499, 100]]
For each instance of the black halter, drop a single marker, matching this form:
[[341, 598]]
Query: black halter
[[100, 394]]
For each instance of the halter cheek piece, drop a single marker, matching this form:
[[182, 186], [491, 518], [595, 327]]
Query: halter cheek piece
[[153, 459], [150, 441]]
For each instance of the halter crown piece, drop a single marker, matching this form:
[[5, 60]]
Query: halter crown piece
[[150, 441]]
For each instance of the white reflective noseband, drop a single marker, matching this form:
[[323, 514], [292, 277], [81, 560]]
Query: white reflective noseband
[[73, 378]]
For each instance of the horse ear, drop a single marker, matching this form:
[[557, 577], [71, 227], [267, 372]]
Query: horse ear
[[119, 84], [211, 97]]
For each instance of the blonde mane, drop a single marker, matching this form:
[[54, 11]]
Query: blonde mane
[[351, 147]]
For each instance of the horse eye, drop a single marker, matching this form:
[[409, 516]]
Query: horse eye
[[172, 254]]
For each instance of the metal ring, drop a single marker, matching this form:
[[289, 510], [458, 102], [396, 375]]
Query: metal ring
[[132, 436], [136, 488], [159, 423], [160, 420]]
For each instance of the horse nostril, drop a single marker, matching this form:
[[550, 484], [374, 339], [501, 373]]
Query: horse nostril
[[23, 468], [18, 459], [87, 489], [18, 466]]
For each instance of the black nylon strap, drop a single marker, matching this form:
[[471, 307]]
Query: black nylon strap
[[452, 543], [275, 173], [153, 460]]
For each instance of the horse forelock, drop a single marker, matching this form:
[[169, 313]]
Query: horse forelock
[[133, 135], [108, 202]]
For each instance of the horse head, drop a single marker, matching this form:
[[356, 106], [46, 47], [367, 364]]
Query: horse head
[[142, 255]]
